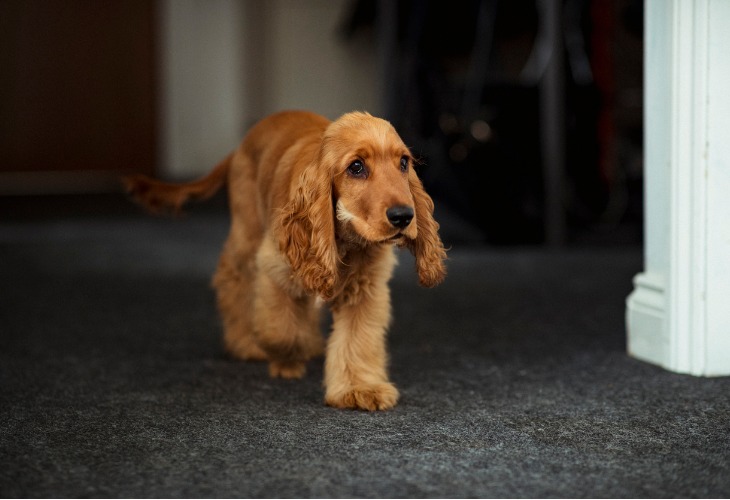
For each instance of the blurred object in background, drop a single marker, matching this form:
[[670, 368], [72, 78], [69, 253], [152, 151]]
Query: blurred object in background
[[77, 93], [464, 91]]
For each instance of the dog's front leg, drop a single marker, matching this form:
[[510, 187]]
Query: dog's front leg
[[286, 320], [356, 357]]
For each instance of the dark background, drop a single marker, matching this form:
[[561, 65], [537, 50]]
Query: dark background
[[467, 95], [463, 84]]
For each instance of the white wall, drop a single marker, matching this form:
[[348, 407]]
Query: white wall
[[227, 63]]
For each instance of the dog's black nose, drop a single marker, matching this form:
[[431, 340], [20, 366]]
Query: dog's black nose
[[400, 216]]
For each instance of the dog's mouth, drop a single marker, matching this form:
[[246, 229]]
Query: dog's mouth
[[397, 239]]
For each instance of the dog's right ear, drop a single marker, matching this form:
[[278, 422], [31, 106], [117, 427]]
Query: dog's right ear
[[306, 231]]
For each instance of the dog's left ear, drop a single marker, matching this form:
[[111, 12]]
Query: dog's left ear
[[306, 231], [427, 247]]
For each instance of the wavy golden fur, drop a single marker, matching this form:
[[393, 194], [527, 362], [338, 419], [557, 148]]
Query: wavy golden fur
[[316, 209]]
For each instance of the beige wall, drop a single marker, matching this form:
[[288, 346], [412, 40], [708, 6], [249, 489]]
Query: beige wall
[[201, 89], [311, 66], [227, 63]]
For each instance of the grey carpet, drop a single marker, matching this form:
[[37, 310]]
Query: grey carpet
[[513, 375]]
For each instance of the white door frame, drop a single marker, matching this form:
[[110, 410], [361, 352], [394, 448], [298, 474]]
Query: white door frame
[[678, 315]]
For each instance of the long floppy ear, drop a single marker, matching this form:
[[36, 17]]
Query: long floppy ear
[[307, 231], [427, 247]]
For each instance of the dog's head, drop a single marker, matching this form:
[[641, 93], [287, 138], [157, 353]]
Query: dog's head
[[362, 189]]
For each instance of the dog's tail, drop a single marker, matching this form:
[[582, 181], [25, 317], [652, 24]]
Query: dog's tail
[[162, 197]]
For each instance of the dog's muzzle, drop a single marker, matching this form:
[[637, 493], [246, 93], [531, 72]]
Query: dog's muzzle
[[400, 216]]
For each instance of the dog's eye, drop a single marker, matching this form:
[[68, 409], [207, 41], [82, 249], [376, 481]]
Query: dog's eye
[[357, 169], [404, 164]]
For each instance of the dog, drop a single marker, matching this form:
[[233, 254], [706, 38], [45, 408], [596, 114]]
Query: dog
[[317, 208]]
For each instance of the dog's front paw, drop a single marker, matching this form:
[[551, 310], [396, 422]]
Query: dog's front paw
[[290, 369], [365, 397]]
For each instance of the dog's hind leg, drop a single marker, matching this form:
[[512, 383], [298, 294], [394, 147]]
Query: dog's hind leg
[[233, 281], [234, 278]]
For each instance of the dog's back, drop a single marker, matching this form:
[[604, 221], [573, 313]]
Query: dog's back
[[274, 150], [273, 155]]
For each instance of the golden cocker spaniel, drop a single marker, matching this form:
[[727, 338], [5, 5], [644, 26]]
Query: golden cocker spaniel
[[316, 209]]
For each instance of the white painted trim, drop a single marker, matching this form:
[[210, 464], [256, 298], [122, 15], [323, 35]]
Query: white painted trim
[[645, 316], [717, 353], [688, 185], [678, 315]]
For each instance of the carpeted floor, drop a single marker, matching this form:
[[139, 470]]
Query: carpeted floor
[[513, 375]]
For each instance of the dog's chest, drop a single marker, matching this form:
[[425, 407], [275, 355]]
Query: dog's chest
[[357, 272]]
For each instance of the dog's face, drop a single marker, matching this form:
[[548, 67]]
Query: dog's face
[[362, 189], [371, 170]]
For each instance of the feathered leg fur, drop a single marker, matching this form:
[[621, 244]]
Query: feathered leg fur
[[356, 374]]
